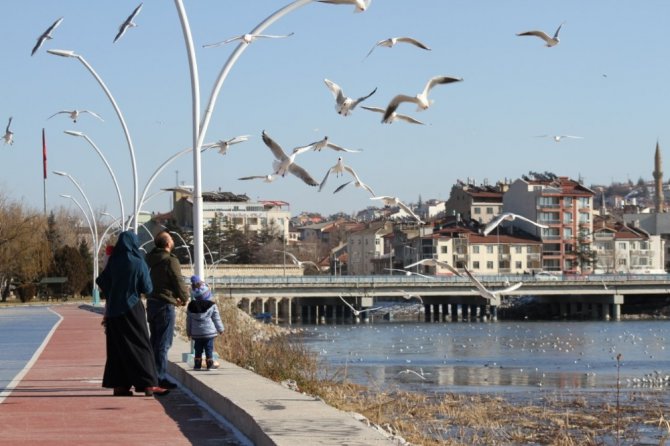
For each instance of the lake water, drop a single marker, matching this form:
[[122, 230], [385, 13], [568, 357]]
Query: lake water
[[493, 357]]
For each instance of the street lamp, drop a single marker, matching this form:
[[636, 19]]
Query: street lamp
[[109, 168], [94, 237], [200, 128], [72, 54]]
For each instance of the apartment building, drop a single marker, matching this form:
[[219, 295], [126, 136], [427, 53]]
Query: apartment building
[[230, 208], [479, 203], [366, 245], [566, 207], [622, 249]]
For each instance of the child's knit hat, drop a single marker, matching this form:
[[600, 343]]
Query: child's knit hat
[[199, 289]]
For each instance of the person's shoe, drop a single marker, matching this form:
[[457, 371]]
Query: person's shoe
[[158, 391], [197, 363], [210, 364], [122, 391], [164, 383]]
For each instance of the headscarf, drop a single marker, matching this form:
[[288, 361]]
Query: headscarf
[[125, 276]]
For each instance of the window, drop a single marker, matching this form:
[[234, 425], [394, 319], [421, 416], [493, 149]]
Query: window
[[475, 249], [567, 217], [517, 249], [622, 245], [567, 202], [444, 249], [644, 246], [489, 265], [489, 249], [475, 265], [489, 211], [584, 217], [518, 265], [477, 211], [567, 232], [622, 262], [584, 202]]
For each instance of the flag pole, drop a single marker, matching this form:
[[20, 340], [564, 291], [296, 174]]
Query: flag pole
[[44, 164]]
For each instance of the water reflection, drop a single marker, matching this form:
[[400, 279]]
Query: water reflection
[[494, 357]]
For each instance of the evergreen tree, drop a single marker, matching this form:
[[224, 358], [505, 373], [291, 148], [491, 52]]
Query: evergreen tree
[[86, 256], [69, 263]]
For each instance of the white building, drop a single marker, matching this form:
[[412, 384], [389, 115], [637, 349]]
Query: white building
[[366, 245], [621, 249]]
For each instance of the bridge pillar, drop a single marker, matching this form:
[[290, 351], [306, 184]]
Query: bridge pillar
[[454, 312], [435, 313], [494, 313], [617, 311], [288, 310], [594, 310], [274, 309], [445, 312]]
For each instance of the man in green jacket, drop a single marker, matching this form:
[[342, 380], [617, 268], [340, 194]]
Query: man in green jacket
[[169, 291]]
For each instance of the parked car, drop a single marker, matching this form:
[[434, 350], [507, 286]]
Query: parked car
[[544, 275]]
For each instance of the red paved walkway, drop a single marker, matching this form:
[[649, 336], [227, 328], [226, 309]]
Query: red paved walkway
[[60, 401]]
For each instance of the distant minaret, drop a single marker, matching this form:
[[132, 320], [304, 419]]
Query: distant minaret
[[658, 180]]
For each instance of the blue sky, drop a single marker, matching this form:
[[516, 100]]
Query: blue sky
[[607, 81]]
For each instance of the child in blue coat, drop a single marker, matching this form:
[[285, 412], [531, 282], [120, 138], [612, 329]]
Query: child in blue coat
[[203, 322]]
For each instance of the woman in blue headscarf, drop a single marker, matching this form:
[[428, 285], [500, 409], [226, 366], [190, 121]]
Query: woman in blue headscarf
[[129, 356]]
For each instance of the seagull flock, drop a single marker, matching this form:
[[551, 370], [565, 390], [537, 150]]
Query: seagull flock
[[284, 162]]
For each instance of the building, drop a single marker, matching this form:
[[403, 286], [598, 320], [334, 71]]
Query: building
[[562, 204], [479, 203], [622, 249], [365, 245], [231, 209]]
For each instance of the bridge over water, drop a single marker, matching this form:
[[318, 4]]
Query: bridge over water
[[315, 298]]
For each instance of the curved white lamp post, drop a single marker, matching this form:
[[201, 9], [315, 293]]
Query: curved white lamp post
[[94, 236], [200, 128], [72, 54], [109, 168]]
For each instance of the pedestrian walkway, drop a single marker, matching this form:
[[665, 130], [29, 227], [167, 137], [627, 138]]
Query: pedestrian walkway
[[60, 401]]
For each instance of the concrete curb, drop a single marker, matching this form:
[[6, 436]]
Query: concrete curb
[[266, 412]]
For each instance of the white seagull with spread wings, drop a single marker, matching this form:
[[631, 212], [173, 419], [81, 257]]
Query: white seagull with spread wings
[[508, 216], [301, 264], [74, 114], [409, 273], [9, 135], [393, 116], [355, 311], [356, 181], [492, 296], [549, 41], [395, 201], [46, 35], [247, 38], [558, 138], [325, 143], [128, 23], [361, 5], [223, 146], [343, 104], [391, 42], [265, 178], [421, 99], [434, 263], [284, 163]]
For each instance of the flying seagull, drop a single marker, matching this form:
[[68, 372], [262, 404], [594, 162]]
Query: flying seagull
[[409, 273], [550, 41], [493, 296], [408, 371], [128, 23], [9, 135], [356, 181], [265, 178], [284, 163], [391, 41], [434, 263], [394, 201], [409, 296], [361, 5], [247, 38], [344, 105], [355, 311], [558, 138], [46, 35], [301, 264], [223, 146], [394, 116], [508, 216], [421, 99], [338, 169], [325, 142], [74, 114]]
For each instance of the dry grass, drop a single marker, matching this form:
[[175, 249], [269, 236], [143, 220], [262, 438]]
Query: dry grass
[[557, 419]]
